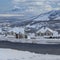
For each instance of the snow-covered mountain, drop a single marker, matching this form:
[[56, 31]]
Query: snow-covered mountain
[[51, 15], [50, 19], [41, 19]]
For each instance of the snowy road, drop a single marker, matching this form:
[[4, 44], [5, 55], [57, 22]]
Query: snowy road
[[9, 54], [37, 48]]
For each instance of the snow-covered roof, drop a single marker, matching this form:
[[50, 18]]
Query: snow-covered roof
[[18, 30], [44, 29]]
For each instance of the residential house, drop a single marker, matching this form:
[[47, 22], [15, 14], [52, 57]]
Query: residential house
[[45, 31]]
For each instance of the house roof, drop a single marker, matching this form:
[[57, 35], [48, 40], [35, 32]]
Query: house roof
[[44, 29]]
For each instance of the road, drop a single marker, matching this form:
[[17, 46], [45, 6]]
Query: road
[[37, 48]]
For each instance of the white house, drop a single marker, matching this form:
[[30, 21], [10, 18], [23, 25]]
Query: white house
[[45, 31]]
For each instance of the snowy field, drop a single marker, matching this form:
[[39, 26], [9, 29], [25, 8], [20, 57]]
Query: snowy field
[[9, 54]]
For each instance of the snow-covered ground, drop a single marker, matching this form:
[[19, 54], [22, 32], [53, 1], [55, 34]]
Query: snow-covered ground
[[9, 54]]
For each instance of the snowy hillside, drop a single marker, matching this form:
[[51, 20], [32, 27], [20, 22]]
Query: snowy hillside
[[52, 15], [50, 19], [23, 20], [9, 54]]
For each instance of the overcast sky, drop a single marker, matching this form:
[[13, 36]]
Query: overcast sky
[[30, 6]]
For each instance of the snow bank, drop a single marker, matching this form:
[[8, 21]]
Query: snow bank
[[9, 54]]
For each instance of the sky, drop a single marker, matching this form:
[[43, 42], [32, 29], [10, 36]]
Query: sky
[[29, 6]]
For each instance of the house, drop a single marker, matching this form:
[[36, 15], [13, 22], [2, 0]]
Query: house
[[45, 31], [18, 32]]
